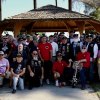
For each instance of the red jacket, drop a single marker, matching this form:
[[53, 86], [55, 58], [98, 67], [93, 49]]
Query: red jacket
[[59, 66], [86, 56]]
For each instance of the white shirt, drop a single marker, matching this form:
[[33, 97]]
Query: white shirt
[[95, 50], [54, 48]]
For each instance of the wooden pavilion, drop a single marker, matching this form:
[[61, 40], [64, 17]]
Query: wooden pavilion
[[49, 18]]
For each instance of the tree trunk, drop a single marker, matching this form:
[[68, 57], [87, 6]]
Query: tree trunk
[[35, 4], [70, 5], [0, 11], [56, 3]]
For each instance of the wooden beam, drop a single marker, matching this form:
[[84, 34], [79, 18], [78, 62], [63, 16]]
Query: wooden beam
[[96, 26], [81, 26]]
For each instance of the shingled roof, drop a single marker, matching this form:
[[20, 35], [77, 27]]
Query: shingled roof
[[49, 12]]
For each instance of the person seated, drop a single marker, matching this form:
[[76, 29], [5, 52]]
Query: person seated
[[83, 59], [58, 70], [18, 71], [36, 72], [4, 68]]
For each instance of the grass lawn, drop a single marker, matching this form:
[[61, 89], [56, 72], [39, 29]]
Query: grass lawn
[[96, 87]]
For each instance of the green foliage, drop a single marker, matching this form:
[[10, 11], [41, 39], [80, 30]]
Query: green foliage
[[96, 14]]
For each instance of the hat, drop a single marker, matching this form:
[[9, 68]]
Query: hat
[[59, 53], [64, 38], [90, 35], [1, 53], [19, 55], [84, 46], [20, 39]]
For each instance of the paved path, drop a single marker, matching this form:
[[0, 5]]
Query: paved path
[[49, 93]]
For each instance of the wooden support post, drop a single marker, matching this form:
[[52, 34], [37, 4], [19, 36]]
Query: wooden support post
[[1, 31], [17, 28], [67, 26], [70, 5], [3, 27], [81, 26], [30, 27]]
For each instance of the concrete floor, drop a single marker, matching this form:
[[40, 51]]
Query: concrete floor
[[49, 93]]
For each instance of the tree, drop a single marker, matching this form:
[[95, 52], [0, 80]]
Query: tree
[[93, 3], [96, 14]]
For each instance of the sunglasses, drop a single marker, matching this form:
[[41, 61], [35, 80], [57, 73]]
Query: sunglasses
[[59, 55], [84, 48], [5, 38], [35, 54], [1, 55]]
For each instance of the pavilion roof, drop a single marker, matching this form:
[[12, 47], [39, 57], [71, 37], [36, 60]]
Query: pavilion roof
[[49, 12], [49, 18]]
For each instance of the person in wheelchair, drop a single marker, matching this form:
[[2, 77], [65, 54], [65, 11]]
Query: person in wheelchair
[[83, 58]]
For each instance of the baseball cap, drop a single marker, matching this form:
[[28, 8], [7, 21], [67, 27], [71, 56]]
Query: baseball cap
[[1, 53], [19, 55]]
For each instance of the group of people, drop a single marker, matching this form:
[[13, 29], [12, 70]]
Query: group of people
[[33, 61]]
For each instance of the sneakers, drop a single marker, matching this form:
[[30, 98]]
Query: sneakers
[[14, 91], [57, 83], [83, 88], [47, 81]]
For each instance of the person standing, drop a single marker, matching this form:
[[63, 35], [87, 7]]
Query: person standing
[[93, 50], [65, 49], [98, 57], [45, 54], [54, 47]]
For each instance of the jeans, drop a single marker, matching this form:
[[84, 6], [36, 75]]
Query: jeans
[[83, 76], [91, 74], [17, 80]]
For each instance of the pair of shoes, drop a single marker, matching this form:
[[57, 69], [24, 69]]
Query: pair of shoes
[[30, 88], [56, 83], [60, 85], [47, 81], [13, 91], [83, 88], [1, 86], [63, 84]]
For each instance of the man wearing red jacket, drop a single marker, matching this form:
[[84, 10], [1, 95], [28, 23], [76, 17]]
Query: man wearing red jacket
[[58, 70], [83, 58]]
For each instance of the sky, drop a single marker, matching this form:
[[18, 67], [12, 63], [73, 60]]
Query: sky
[[14, 7]]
